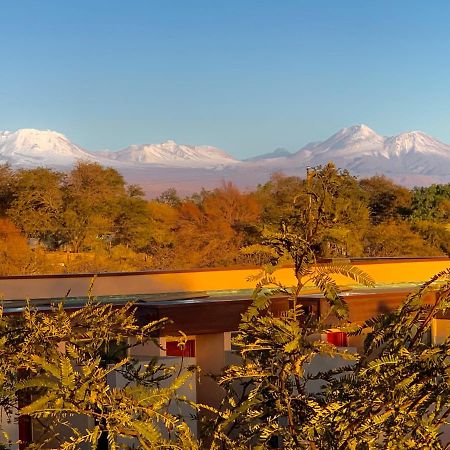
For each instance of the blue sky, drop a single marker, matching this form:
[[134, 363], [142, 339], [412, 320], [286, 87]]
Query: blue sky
[[247, 76]]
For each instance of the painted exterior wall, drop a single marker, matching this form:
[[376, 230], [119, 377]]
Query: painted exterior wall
[[386, 271]]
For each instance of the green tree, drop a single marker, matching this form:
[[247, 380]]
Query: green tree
[[434, 233], [276, 198], [169, 197], [398, 239], [387, 201], [344, 211], [397, 394], [431, 203], [100, 209], [132, 221], [7, 181], [38, 204]]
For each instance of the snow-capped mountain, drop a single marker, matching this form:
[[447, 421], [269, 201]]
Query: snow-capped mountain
[[347, 143], [170, 153], [364, 152], [30, 148], [412, 158]]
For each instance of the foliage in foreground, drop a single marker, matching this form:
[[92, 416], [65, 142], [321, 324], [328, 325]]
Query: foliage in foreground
[[394, 393], [66, 359]]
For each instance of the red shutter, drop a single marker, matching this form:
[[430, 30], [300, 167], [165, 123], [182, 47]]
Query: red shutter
[[172, 348], [337, 338]]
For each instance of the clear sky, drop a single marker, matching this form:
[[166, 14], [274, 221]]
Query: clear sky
[[245, 75]]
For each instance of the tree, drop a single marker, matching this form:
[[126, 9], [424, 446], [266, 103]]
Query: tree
[[267, 395], [38, 204], [431, 203], [132, 223], [100, 209], [434, 234], [397, 239], [66, 358], [344, 208], [393, 394], [15, 255], [7, 180], [163, 220], [211, 230], [387, 201], [276, 197], [397, 394], [169, 197], [91, 195]]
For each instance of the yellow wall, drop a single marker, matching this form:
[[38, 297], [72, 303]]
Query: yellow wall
[[204, 280], [382, 273], [440, 330]]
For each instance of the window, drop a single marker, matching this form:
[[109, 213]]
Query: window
[[172, 348]]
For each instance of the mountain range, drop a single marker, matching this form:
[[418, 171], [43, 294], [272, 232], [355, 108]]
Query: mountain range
[[411, 158]]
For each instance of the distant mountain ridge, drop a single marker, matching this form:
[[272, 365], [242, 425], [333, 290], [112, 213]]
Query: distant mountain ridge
[[171, 153], [362, 151], [29, 147], [409, 158]]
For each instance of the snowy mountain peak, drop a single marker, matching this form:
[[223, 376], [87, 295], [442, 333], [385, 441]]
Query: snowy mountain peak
[[173, 154], [354, 134], [363, 152], [360, 130], [29, 137], [30, 147], [169, 143], [348, 142], [415, 142]]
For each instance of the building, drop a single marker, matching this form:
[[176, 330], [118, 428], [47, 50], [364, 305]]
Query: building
[[207, 305]]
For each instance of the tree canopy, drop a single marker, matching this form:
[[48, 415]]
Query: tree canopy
[[90, 219]]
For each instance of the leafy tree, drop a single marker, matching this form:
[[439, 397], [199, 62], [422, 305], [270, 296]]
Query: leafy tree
[[393, 394], [267, 395], [343, 208], [397, 393], [435, 234], [15, 255], [7, 180], [169, 197], [211, 232], [276, 198], [397, 239], [98, 207], [92, 193], [163, 220], [66, 358], [431, 203], [38, 204], [387, 201], [132, 223]]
